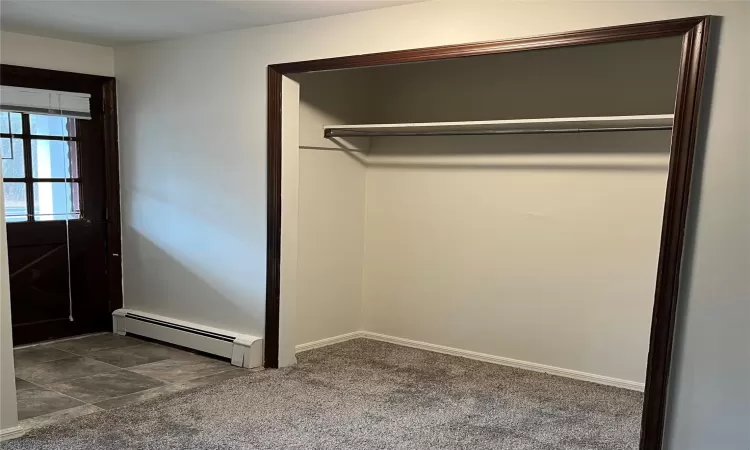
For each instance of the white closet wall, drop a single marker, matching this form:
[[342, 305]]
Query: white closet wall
[[539, 248], [331, 207], [549, 258]]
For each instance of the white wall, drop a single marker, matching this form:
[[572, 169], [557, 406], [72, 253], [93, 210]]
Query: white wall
[[519, 246], [193, 239], [457, 228], [289, 240], [8, 411], [218, 82], [331, 208], [55, 54], [536, 248]]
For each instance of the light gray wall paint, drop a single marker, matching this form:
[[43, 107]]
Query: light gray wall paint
[[8, 413], [538, 248], [175, 95], [331, 207], [55, 54]]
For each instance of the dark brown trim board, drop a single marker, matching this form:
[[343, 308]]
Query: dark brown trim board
[[112, 175], [273, 224], [694, 31]]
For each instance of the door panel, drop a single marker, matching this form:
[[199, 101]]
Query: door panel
[[52, 265], [62, 269]]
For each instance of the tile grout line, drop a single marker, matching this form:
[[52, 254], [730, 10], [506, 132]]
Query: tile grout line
[[55, 341], [147, 376], [71, 354], [205, 376], [42, 416], [57, 392], [119, 369], [84, 376], [136, 392], [126, 369], [178, 359], [20, 422], [101, 349], [111, 398], [182, 385]]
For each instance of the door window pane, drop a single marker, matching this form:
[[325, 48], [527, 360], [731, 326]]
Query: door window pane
[[15, 202], [53, 159], [56, 201], [12, 158], [51, 125], [10, 122]]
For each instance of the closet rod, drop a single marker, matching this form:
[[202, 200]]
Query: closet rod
[[338, 132], [513, 126]]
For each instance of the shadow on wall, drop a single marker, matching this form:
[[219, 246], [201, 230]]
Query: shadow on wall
[[701, 303], [596, 143], [188, 267], [616, 151]]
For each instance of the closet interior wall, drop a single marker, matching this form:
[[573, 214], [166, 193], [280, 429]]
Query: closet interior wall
[[540, 248], [331, 203]]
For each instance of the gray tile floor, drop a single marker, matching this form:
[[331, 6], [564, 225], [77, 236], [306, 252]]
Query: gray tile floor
[[66, 379]]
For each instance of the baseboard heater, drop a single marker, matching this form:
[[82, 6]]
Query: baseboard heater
[[242, 349]]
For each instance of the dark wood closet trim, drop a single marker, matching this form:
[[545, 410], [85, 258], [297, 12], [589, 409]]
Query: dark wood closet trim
[[104, 108], [694, 31], [273, 221]]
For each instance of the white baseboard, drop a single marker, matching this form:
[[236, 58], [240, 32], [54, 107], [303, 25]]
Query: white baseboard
[[329, 341], [11, 433], [242, 349], [599, 379]]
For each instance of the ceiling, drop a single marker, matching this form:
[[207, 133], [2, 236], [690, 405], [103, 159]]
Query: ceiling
[[120, 22]]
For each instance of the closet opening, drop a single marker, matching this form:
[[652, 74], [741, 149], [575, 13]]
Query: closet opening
[[521, 204]]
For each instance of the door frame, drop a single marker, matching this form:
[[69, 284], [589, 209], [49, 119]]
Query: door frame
[[694, 32], [103, 91]]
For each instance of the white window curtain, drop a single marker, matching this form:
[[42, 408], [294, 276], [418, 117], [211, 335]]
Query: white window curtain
[[42, 101]]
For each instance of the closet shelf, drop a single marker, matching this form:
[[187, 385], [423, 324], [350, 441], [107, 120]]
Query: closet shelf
[[520, 126]]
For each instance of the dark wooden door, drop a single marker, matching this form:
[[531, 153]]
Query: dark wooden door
[[57, 280], [62, 252]]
